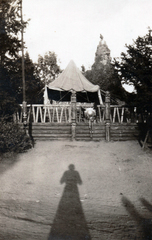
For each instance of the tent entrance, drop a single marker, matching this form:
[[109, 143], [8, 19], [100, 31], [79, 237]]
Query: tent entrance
[[65, 96]]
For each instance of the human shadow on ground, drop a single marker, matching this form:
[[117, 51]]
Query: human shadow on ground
[[144, 224], [69, 222]]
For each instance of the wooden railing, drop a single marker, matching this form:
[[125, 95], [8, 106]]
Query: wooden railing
[[45, 113], [100, 114], [118, 114], [53, 113], [59, 113]]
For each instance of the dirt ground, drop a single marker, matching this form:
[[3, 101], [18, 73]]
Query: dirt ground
[[107, 196]]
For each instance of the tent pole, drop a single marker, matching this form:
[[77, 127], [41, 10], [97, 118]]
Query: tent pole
[[45, 96], [100, 98]]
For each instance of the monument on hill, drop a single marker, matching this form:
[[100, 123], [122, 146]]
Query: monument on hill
[[102, 55]]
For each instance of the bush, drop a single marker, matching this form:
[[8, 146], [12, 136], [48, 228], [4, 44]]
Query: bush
[[13, 138]]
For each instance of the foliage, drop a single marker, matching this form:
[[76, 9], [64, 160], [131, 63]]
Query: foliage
[[101, 77], [8, 103], [102, 68], [135, 68], [106, 77], [116, 89], [47, 68], [12, 137], [10, 45], [11, 62], [33, 85], [103, 72], [10, 28]]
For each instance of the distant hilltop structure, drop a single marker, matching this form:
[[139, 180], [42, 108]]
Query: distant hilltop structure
[[102, 55]]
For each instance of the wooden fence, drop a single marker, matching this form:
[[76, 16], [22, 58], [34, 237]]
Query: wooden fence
[[37, 113], [118, 114], [57, 113], [112, 122]]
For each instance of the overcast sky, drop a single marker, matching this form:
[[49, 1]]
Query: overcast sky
[[72, 28]]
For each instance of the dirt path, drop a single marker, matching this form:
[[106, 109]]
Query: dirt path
[[114, 200]]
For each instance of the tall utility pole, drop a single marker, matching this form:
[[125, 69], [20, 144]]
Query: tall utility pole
[[23, 72]]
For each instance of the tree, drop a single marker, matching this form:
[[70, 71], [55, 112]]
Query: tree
[[33, 85], [47, 68], [8, 102], [101, 77], [135, 68], [10, 28], [12, 137], [10, 45], [102, 68], [103, 73]]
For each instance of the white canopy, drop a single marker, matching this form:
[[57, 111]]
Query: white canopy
[[72, 79]]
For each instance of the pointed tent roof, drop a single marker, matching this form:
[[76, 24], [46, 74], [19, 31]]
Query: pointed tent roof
[[72, 79]]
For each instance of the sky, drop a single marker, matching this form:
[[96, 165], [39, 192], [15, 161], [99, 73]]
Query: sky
[[72, 28]]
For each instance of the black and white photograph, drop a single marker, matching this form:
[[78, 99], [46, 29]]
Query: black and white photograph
[[75, 120]]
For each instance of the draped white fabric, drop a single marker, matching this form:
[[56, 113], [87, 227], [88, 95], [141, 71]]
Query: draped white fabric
[[72, 79]]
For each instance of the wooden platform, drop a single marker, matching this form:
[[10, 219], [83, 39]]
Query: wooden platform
[[83, 132], [63, 131], [53, 131], [124, 132]]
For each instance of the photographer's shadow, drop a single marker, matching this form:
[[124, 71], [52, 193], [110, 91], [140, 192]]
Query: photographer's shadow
[[69, 222]]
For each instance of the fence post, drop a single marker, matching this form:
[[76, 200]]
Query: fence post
[[107, 115], [73, 114]]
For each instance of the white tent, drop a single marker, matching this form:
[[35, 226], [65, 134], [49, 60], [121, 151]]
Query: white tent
[[71, 79]]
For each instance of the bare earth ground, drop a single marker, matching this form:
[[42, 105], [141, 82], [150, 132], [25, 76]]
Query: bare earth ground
[[113, 202]]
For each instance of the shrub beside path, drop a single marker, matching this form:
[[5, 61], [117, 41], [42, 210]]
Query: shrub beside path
[[113, 202]]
